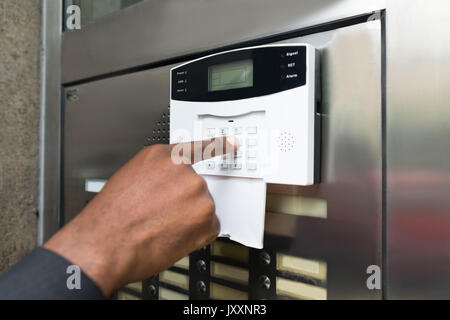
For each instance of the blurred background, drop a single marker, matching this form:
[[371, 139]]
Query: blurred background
[[20, 112]]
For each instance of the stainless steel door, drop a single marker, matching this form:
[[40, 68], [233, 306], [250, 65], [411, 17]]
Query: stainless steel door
[[413, 155], [418, 150], [349, 240], [155, 31], [108, 121]]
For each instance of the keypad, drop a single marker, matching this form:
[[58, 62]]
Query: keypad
[[236, 166], [223, 131], [252, 142], [224, 166], [245, 159], [252, 166], [251, 153], [237, 130], [211, 132], [252, 130]]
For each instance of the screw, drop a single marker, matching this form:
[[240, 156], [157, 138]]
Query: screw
[[201, 266], [265, 282], [72, 95], [152, 289], [265, 257], [201, 287]]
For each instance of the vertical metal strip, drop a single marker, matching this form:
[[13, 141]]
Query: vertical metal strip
[[262, 274], [199, 274], [50, 135], [150, 288], [383, 160]]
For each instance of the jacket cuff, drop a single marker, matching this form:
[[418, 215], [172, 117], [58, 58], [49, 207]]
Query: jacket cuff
[[45, 275]]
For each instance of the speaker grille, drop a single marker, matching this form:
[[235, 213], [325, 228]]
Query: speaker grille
[[286, 141], [161, 130]]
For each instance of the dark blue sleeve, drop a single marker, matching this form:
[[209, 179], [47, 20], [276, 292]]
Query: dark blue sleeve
[[45, 275]]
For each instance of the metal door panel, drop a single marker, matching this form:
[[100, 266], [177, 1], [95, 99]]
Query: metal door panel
[[350, 238], [110, 119], [106, 123], [154, 31], [417, 132], [418, 150]]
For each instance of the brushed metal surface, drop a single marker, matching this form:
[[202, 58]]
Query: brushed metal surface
[[157, 30], [350, 238], [417, 113], [418, 150], [111, 118], [50, 149], [106, 126]]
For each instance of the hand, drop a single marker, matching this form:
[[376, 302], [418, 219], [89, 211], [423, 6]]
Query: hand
[[150, 214]]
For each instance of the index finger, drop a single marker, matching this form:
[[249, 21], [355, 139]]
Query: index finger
[[202, 150]]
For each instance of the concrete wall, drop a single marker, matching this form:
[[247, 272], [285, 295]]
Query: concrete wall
[[20, 26]]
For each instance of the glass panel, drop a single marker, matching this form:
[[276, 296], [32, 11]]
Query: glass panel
[[121, 295], [296, 205], [220, 292], [167, 294], [231, 273], [136, 286], [94, 10], [313, 268], [174, 278], [299, 290], [230, 250], [182, 263]]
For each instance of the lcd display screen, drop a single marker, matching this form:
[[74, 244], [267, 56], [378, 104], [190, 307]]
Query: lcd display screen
[[233, 75]]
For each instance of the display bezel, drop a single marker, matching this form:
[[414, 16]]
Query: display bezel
[[268, 74], [226, 67]]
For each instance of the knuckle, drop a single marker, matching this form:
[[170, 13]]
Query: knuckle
[[208, 213], [215, 228], [159, 148], [199, 183], [182, 172], [210, 208], [207, 210], [153, 150]]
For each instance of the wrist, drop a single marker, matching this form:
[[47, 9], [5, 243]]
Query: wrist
[[94, 257]]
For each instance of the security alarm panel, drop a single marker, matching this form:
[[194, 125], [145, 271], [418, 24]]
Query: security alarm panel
[[266, 97]]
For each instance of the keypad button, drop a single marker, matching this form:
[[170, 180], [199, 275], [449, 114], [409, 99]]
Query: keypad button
[[252, 153], [237, 130], [211, 132], [251, 166], [252, 130], [236, 166], [224, 166], [251, 142], [224, 131], [210, 165]]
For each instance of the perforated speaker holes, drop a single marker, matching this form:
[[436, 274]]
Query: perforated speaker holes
[[161, 130], [286, 141]]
